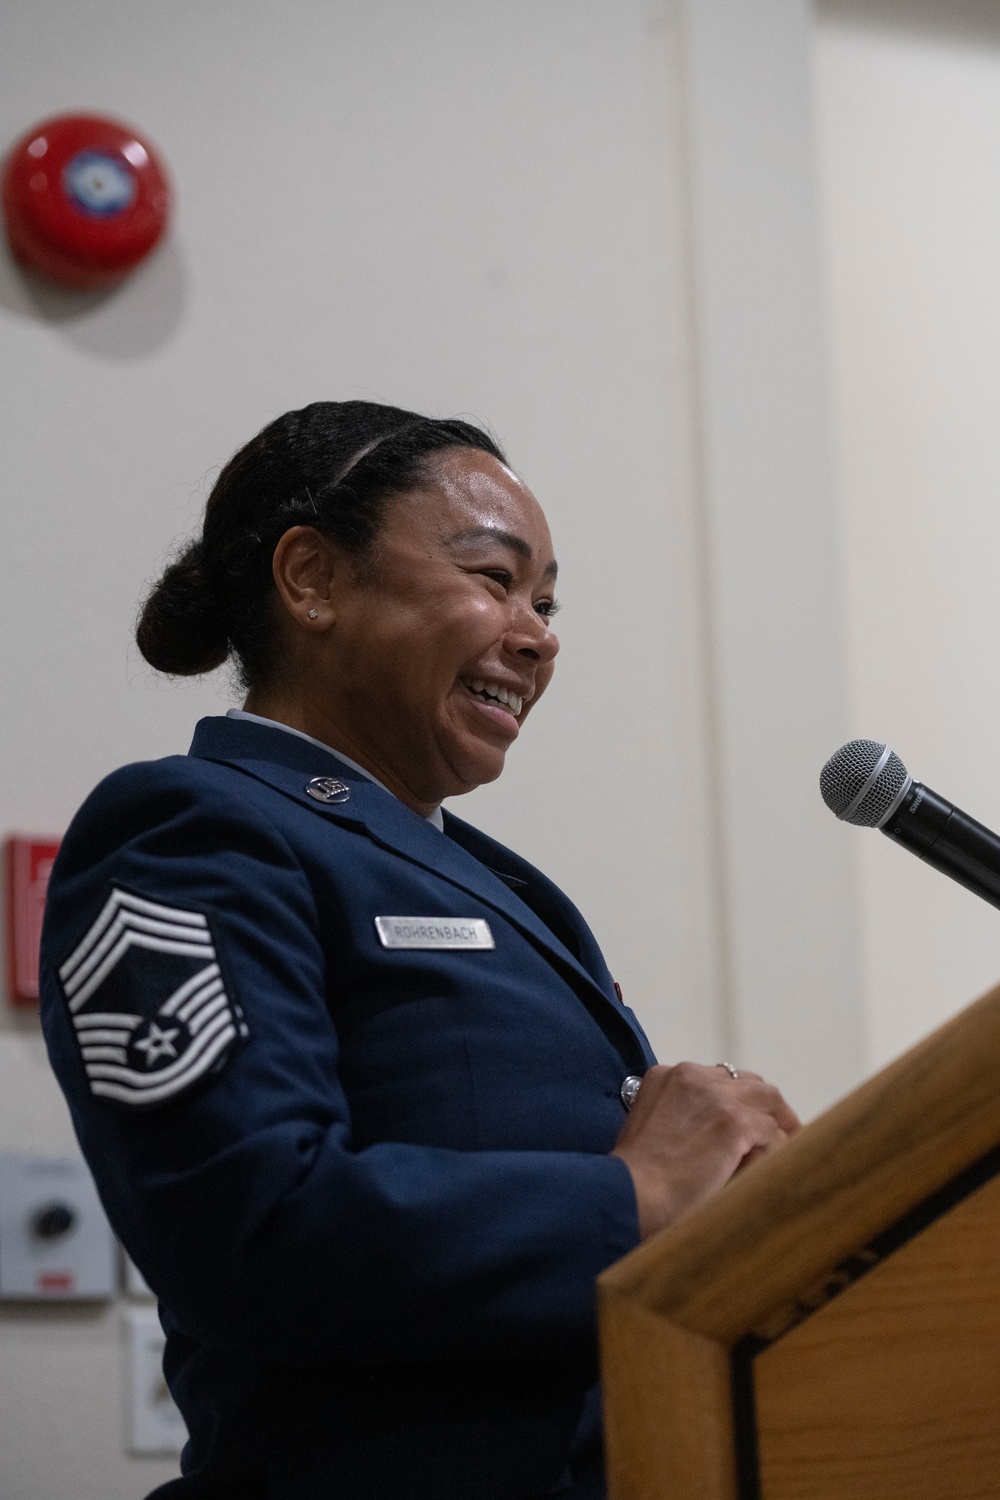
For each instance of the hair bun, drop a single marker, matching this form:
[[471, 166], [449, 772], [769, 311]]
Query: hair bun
[[182, 629]]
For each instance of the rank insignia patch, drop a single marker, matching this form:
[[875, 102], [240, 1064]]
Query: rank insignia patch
[[147, 1000]]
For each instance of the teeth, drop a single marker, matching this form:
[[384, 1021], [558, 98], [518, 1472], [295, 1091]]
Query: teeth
[[501, 694]]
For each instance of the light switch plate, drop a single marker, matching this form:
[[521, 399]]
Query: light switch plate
[[55, 1242], [155, 1424]]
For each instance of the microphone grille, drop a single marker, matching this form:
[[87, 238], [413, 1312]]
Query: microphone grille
[[863, 782]]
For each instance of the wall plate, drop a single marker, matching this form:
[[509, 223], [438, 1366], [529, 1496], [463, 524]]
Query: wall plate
[[55, 1242], [154, 1423]]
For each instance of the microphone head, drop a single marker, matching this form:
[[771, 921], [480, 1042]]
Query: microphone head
[[864, 783]]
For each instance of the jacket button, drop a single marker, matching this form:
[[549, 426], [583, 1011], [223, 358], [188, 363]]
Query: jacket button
[[629, 1090]]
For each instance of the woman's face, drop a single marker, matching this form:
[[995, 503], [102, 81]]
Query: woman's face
[[437, 653]]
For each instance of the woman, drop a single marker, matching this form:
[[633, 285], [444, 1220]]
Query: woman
[[349, 1074]]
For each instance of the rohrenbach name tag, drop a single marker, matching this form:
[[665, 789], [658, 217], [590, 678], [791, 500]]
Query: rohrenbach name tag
[[434, 932]]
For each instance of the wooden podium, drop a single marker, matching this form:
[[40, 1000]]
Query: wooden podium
[[828, 1326]]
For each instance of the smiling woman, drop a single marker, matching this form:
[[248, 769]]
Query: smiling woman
[[352, 1077], [423, 663]]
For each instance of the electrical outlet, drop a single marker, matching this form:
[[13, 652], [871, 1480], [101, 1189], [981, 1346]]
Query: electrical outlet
[[154, 1423]]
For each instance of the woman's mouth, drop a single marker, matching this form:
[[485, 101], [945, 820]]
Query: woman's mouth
[[495, 695]]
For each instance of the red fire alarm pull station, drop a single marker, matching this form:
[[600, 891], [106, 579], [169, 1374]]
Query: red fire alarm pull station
[[29, 863]]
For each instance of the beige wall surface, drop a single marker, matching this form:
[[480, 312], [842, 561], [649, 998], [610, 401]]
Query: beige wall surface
[[462, 207], [772, 576], [398, 203], [589, 223], [909, 108]]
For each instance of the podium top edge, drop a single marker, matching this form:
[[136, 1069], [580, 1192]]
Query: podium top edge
[[781, 1225]]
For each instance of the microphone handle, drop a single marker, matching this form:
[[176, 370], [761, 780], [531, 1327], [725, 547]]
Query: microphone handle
[[942, 835]]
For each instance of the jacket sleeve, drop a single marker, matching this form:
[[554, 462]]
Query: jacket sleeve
[[242, 1199]]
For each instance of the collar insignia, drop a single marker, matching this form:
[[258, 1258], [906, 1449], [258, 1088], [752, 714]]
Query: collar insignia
[[328, 789]]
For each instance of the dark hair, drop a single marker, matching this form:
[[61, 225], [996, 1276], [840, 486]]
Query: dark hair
[[333, 465]]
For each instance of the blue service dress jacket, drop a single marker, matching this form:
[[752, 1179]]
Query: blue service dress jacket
[[370, 1185]]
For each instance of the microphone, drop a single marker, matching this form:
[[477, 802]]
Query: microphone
[[867, 784]]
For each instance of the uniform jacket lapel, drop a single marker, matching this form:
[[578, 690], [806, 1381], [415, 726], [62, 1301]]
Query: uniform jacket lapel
[[288, 763]]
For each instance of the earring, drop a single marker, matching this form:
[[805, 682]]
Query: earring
[[313, 613]]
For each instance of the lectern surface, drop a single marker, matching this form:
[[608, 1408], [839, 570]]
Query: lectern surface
[[891, 1391], [827, 1327]]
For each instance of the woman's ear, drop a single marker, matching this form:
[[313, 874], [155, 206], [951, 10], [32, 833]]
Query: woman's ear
[[305, 566]]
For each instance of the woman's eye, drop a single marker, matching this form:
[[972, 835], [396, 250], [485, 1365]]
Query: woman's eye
[[547, 608], [499, 575]]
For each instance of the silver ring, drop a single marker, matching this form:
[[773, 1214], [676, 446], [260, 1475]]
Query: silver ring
[[729, 1069]]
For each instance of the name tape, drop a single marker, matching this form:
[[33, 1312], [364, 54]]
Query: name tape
[[434, 932]]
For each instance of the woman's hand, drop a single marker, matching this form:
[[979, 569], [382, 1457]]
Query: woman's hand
[[690, 1129]]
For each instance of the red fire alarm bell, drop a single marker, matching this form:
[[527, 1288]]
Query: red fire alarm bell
[[84, 198], [29, 863]]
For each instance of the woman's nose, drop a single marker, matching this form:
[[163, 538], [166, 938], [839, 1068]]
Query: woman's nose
[[534, 639]]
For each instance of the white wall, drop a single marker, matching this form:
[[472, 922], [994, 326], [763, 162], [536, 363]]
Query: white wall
[[590, 223], [454, 205], [399, 202], [909, 105], [772, 557]]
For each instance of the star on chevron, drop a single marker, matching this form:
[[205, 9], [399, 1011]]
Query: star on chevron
[[157, 1043]]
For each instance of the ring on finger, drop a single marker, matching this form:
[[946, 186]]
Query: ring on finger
[[730, 1069]]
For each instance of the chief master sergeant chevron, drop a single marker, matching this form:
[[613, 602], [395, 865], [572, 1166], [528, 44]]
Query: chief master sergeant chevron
[[350, 1074]]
